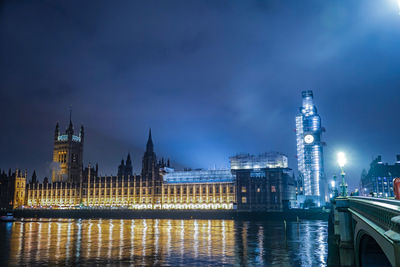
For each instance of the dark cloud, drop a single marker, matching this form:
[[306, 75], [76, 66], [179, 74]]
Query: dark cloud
[[211, 78]]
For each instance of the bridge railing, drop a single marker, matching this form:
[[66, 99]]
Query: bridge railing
[[383, 212]]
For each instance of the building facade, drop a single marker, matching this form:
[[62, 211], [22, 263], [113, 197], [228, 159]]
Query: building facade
[[378, 180], [12, 189], [310, 151], [67, 155], [263, 182], [157, 187]]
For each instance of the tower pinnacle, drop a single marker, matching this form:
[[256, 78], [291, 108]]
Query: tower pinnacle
[[149, 146]]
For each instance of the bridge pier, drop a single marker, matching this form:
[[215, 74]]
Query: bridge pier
[[345, 231], [394, 235]]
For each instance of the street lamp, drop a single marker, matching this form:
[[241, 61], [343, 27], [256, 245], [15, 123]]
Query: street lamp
[[341, 159]]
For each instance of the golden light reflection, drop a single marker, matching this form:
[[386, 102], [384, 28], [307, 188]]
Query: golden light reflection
[[165, 242], [61, 241]]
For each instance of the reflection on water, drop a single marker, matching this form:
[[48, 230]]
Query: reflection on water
[[163, 242]]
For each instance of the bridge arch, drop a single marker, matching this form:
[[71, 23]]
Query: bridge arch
[[370, 253]]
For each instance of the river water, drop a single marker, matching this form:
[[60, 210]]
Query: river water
[[163, 242]]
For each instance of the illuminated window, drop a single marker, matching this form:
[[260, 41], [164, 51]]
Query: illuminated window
[[244, 200], [258, 190], [273, 188], [243, 189]]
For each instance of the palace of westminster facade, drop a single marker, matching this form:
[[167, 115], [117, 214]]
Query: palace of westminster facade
[[244, 187]]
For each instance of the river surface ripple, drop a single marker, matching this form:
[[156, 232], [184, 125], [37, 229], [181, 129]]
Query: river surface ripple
[[163, 242]]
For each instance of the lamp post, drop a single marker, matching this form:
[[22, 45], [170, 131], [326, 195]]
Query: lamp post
[[334, 188], [341, 159]]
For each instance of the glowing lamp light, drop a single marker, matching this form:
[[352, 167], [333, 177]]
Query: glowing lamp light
[[398, 4], [333, 184], [341, 159]]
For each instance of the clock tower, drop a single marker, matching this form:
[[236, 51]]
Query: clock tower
[[310, 151]]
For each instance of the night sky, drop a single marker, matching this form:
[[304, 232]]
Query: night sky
[[211, 79]]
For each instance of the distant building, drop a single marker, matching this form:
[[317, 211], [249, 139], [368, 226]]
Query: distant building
[[266, 160], [67, 155], [12, 189], [309, 151], [263, 182], [379, 178]]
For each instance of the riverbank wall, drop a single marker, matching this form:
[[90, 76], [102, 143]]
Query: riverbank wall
[[289, 215]]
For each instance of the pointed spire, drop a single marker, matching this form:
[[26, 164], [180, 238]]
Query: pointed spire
[[149, 146], [70, 127], [56, 132], [128, 158], [34, 177]]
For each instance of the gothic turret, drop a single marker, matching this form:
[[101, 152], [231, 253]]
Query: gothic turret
[[121, 169], [149, 146], [82, 134], [70, 129], [128, 166], [34, 177], [149, 162], [56, 132]]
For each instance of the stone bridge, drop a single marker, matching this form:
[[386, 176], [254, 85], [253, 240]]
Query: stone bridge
[[368, 231]]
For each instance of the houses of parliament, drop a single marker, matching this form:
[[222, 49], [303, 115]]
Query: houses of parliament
[[253, 182], [72, 185]]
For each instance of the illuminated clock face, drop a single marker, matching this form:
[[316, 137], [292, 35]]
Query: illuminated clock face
[[308, 139]]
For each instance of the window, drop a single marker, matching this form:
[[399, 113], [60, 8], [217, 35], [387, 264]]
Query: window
[[273, 188], [244, 200], [243, 189], [258, 190], [204, 190], [231, 189]]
